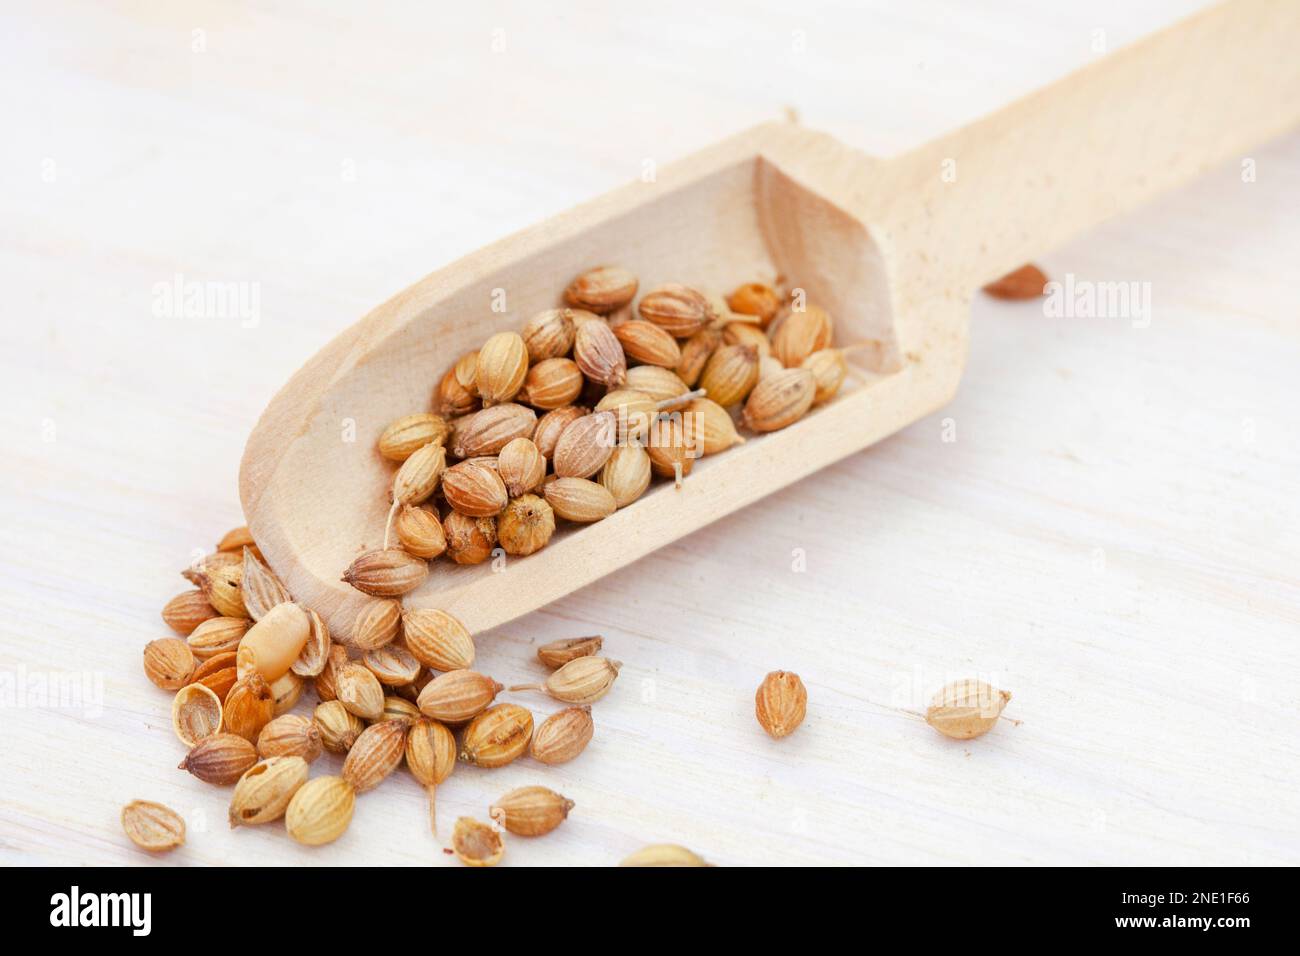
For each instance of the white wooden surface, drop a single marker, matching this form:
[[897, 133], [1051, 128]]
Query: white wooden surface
[[1112, 535]]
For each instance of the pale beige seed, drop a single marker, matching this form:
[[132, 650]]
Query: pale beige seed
[[377, 623], [249, 706], [551, 425], [212, 562], [186, 611], [780, 703], [327, 680], [286, 691], [660, 384], [800, 334], [526, 525], [474, 489], [168, 663], [598, 353], [741, 333], [403, 437], [531, 811], [217, 636], [419, 530], [264, 791], [437, 639], [488, 431], [339, 728], [717, 429], [272, 644], [236, 540], [262, 590], [393, 664], [521, 466], [586, 445], [431, 757], [386, 572], [780, 400], [966, 708], [220, 759], [412, 690], [501, 367], [196, 713], [579, 499], [376, 754], [829, 369], [583, 680], [314, 654], [152, 826], [646, 342], [359, 690], [602, 289], [677, 309], [453, 397], [664, 854], [497, 736], [552, 383], [477, 844], [399, 708], [458, 696], [755, 298], [731, 374], [221, 586], [627, 474], [290, 735], [563, 735], [218, 673], [672, 447], [549, 335], [418, 476], [695, 354], [469, 540], [634, 411], [320, 811], [558, 653]]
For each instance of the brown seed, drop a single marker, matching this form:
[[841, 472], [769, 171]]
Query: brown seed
[[437, 639], [475, 489], [327, 679], [646, 342], [551, 425], [780, 400], [399, 708], [501, 367], [1027, 282], [286, 690], [755, 298], [672, 448], [431, 757], [717, 429], [221, 586], [377, 623], [602, 289], [453, 398], [660, 384], [311, 660], [168, 662], [469, 540], [531, 811], [497, 736], [548, 335], [339, 729], [695, 354], [780, 703], [376, 754], [742, 333], [412, 690], [217, 636], [634, 412], [579, 499], [966, 708], [264, 791], [598, 353], [558, 653], [458, 696], [418, 476], [218, 673], [320, 811], [828, 368], [236, 540], [262, 590], [583, 680], [731, 374], [359, 691], [586, 445], [664, 854], [393, 665], [477, 844], [521, 466], [552, 383], [152, 826], [220, 759], [290, 735], [420, 531], [186, 611], [677, 309], [249, 706], [627, 474], [386, 572], [212, 562], [563, 735], [526, 525], [272, 644], [800, 334], [408, 434], [196, 713]]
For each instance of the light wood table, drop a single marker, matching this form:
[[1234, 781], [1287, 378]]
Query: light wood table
[[1104, 521]]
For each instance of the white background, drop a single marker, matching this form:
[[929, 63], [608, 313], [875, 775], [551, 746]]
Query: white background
[[1112, 536]]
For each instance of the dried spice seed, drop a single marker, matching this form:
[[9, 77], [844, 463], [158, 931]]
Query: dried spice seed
[[217, 636], [500, 368], [551, 425], [152, 826], [431, 757], [168, 662], [558, 653], [586, 445], [236, 540], [418, 476], [664, 854], [320, 811], [755, 298], [286, 690], [477, 844], [196, 714], [488, 431], [458, 696], [474, 489], [327, 679], [526, 525], [262, 590], [552, 383], [521, 466], [549, 335], [469, 540], [828, 369], [740, 333], [780, 703], [419, 531], [634, 412], [780, 400], [646, 342], [386, 572], [671, 454], [602, 289], [393, 665], [578, 499], [339, 728], [731, 374], [800, 334], [453, 396], [497, 736], [311, 660], [272, 644], [221, 586], [717, 429], [966, 708], [404, 437], [661, 384], [677, 309], [598, 353], [290, 735], [583, 680], [218, 673], [264, 791], [376, 754], [359, 691], [377, 623], [249, 706], [399, 708], [211, 562], [695, 354], [186, 611], [1027, 282], [531, 811], [437, 639], [563, 735], [627, 474], [220, 759]]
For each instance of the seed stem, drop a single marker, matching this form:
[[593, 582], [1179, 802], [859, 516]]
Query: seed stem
[[540, 687], [680, 399], [388, 528], [431, 790]]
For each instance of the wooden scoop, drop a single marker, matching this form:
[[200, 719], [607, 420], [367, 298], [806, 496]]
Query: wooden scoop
[[893, 249]]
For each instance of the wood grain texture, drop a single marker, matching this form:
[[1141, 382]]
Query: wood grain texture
[[1112, 535]]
